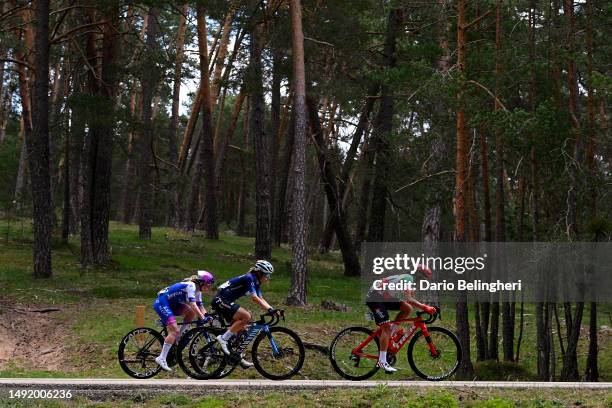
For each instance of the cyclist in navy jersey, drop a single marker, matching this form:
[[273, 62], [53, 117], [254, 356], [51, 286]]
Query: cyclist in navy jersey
[[225, 301], [183, 298]]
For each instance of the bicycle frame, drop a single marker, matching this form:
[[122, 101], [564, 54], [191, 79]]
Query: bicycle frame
[[417, 323]]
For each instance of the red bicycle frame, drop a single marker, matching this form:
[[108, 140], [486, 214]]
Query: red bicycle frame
[[394, 347]]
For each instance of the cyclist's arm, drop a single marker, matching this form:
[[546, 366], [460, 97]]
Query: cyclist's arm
[[260, 301], [413, 302], [194, 299], [199, 310]]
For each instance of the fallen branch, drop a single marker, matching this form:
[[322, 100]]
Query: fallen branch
[[316, 347]]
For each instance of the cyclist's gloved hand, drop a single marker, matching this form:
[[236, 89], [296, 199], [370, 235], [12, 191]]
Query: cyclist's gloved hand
[[430, 309], [207, 318], [272, 311]]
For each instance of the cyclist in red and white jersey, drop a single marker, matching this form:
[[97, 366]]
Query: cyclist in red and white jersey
[[381, 299]]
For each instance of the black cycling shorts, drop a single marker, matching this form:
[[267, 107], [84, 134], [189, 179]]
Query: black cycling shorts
[[226, 310], [380, 310]]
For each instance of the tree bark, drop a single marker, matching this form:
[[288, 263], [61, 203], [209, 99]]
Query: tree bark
[[574, 112], [463, 327], [205, 165], [275, 119], [98, 146], [149, 84], [220, 59], [382, 133], [227, 140], [173, 188], [263, 236], [38, 147], [298, 290], [242, 193], [592, 370]]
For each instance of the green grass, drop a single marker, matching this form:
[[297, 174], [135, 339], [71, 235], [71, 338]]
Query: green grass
[[98, 303], [378, 397]]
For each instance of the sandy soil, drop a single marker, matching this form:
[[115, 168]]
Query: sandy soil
[[32, 337]]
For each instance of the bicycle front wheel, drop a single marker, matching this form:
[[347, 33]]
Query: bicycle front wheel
[[278, 354], [351, 366], [137, 352], [438, 362]]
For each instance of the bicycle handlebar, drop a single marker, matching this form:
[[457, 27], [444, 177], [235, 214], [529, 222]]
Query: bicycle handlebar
[[432, 317], [275, 317]]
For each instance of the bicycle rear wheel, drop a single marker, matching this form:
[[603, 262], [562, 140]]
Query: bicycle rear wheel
[[137, 352], [281, 356], [442, 364], [348, 365], [201, 357]]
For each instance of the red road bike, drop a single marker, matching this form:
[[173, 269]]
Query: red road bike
[[434, 353]]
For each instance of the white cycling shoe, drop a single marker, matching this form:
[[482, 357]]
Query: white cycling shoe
[[385, 366], [245, 364], [162, 363], [223, 344]]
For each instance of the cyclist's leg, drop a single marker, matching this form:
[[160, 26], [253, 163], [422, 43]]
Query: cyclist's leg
[[381, 318], [188, 316], [164, 311], [240, 318], [405, 310]]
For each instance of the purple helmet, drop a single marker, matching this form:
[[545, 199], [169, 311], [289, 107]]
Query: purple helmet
[[205, 277]]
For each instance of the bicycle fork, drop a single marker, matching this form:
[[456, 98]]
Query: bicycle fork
[[432, 348]]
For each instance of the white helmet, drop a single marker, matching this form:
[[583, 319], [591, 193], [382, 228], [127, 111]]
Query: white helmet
[[265, 267]]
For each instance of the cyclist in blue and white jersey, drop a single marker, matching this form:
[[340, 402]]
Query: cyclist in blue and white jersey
[[225, 304], [183, 298]]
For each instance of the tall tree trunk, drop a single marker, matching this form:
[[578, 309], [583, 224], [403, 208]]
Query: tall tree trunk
[[98, 146], [569, 370], [349, 162], [382, 133], [222, 54], [574, 112], [27, 36], [281, 201], [263, 236], [38, 146], [328, 176], [77, 136], [229, 134], [23, 162], [297, 292], [242, 194], [275, 118], [592, 370], [205, 165], [149, 83], [128, 198], [173, 189], [66, 211], [463, 327]]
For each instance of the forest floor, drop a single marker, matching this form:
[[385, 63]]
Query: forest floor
[[96, 305]]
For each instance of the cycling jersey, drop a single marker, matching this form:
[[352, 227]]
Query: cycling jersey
[[182, 293], [235, 288], [171, 300]]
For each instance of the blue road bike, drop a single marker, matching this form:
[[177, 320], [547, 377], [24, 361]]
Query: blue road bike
[[278, 352]]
